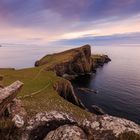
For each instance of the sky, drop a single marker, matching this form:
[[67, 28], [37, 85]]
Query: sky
[[70, 21]]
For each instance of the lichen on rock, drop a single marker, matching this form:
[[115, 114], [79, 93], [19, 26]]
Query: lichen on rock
[[67, 132]]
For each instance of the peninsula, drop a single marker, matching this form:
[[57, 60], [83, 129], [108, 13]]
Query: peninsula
[[39, 103]]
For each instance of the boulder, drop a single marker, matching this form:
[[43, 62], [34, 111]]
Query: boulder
[[67, 132]]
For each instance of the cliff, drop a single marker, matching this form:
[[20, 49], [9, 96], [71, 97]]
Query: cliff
[[72, 62], [65, 89]]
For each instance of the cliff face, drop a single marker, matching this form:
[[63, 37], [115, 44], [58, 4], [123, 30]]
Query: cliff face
[[72, 62], [65, 89]]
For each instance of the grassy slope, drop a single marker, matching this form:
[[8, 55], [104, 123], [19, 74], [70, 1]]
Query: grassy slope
[[37, 93], [51, 60]]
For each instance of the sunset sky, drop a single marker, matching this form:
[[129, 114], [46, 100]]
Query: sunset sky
[[69, 21]]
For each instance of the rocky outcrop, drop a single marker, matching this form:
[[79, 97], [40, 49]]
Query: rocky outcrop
[[42, 123], [99, 60], [74, 62], [7, 94], [87, 90], [60, 126], [78, 61], [65, 89], [109, 128]]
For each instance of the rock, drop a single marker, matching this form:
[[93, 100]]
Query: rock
[[69, 77], [43, 123], [62, 126], [67, 132], [97, 110], [65, 89], [108, 128], [17, 113], [7, 94], [88, 90]]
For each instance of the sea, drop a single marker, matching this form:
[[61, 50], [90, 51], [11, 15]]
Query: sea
[[117, 83]]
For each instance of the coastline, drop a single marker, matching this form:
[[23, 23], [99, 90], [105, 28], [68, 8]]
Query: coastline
[[63, 87]]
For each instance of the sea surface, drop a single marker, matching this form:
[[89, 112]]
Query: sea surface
[[118, 82]]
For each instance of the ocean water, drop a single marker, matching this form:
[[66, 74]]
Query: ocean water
[[117, 82]]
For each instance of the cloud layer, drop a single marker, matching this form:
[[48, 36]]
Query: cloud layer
[[55, 19]]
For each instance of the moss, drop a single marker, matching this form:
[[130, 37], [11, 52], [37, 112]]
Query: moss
[[129, 136]]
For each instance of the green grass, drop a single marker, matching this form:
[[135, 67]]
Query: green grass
[[51, 60], [38, 94]]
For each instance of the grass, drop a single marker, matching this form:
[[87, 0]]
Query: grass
[[38, 94], [51, 60]]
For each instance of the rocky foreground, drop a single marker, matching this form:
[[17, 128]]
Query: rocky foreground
[[44, 106]]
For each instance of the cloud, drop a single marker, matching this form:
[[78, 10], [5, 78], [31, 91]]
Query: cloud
[[71, 10], [108, 40], [63, 19]]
